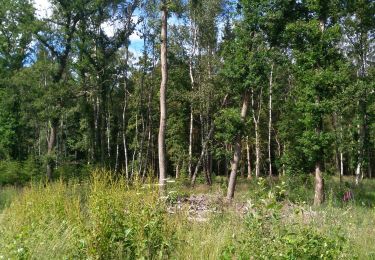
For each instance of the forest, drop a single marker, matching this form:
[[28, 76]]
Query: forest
[[187, 129]]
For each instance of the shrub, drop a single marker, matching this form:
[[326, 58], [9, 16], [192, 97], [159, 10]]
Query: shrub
[[268, 236], [98, 219], [19, 173]]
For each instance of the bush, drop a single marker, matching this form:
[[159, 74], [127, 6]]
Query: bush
[[97, 219], [300, 188], [19, 173], [269, 236]]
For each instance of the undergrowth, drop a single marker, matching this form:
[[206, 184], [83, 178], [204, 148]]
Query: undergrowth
[[107, 218]]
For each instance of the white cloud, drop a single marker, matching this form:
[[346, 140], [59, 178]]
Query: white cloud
[[43, 8], [108, 28], [135, 37]]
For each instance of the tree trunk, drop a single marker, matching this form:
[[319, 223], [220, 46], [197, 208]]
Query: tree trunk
[[256, 117], [358, 169], [257, 150], [108, 130], [341, 165], [319, 183], [270, 124], [50, 147], [248, 158], [163, 105], [192, 82], [191, 142], [124, 136], [237, 151], [117, 151], [319, 186], [358, 173]]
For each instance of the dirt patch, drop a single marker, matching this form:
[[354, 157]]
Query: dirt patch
[[198, 207]]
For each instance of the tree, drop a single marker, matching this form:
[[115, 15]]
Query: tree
[[358, 25], [314, 38], [17, 18], [163, 89], [247, 67]]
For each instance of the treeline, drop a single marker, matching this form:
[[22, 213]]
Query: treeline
[[253, 88]]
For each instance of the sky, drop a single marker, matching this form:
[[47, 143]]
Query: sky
[[43, 10]]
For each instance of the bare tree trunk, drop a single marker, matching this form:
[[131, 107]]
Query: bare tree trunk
[[125, 147], [163, 105], [319, 185], [341, 165], [257, 150], [358, 173], [192, 82], [126, 157], [270, 123], [108, 121], [50, 147], [319, 182], [341, 152], [358, 169], [117, 151], [191, 142], [96, 128], [256, 117], [248, 158], [237, 151]]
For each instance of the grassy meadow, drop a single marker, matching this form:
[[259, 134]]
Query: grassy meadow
[[105, 217]]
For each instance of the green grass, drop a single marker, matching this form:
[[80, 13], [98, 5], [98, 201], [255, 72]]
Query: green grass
[[7, 194], [106, 218]]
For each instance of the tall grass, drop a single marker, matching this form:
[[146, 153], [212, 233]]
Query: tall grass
[[100, 219], [105, 217], [7, 194]]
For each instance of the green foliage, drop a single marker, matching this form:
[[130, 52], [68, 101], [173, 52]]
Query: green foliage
[[7, 133], [228, 125], [299, 188], [16, 29], [100, 219], [269, 235], [14, 172], [121, 230]]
